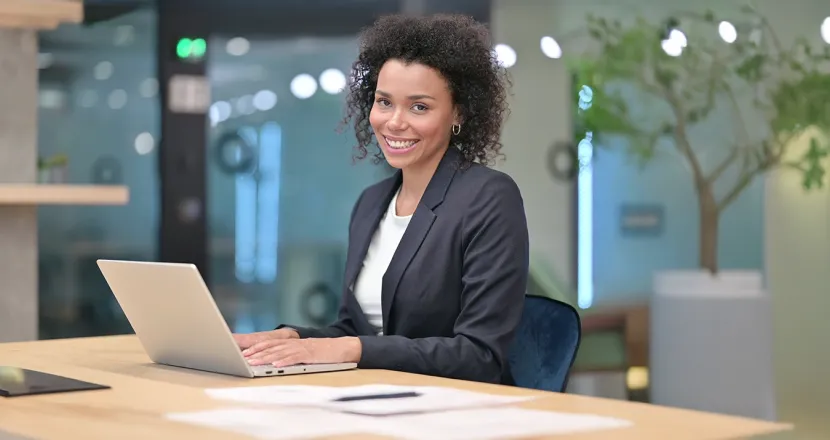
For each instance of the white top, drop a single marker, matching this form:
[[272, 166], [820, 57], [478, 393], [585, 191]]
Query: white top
[[367, 288]]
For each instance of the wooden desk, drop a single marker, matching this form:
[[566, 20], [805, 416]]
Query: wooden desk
[[142, 392]]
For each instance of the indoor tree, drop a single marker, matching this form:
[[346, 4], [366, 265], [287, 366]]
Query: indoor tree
[[771, 92]]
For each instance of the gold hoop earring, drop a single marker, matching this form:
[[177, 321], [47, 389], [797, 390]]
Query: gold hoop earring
[[456, 129]]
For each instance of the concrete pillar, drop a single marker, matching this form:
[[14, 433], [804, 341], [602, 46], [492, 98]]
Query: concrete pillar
[[18, 164]]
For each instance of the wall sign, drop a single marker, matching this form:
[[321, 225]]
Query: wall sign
[[642, 220], [189, 94]]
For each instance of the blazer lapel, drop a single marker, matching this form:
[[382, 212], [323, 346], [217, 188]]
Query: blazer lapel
[[419, 226], [367, 224]]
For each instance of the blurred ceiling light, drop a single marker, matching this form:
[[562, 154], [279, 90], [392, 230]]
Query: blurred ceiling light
[[144, 143], [238, 46], [671, 48], [825, 30], [117, 99], [728, 32], [103, 70], [332, 81], [220, 111], [675, 43], [678, 36], [551, 48], [245, 105], [303, 86], [506, 55], [265, 100]]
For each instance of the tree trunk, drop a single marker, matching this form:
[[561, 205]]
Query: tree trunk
[[709, 221]]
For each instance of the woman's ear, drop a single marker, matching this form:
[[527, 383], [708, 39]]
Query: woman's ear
[[456, 118]]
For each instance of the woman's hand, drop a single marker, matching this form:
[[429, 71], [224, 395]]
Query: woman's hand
[[286, 352], [247, 340]]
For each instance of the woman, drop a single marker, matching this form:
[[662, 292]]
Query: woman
[[437, 260]]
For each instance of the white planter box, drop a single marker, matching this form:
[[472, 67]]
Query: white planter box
[[726, 284], [711, 343]]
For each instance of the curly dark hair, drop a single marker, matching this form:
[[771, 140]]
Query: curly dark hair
[[458, 47]]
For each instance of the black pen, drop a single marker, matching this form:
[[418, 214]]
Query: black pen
[[378, 396]]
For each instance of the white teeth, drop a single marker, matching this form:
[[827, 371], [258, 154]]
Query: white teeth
[[400, 144]]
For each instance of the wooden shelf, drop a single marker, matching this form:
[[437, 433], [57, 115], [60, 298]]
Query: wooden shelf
[[40, 14], [24, 194]]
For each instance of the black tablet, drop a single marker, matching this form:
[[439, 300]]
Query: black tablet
[[16, 382]]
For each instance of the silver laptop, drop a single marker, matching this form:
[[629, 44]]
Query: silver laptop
[[178, 323]]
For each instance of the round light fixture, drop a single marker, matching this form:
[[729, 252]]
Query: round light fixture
[[675, 43], [727, 32], [144, 143], [265, 100], [303, 86], [237, 46], [550, 47], [506, 55], [332, 81]]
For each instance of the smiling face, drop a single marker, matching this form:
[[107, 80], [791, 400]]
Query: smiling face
[[413, 114]]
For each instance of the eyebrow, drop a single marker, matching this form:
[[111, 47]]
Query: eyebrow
[[410, 97]]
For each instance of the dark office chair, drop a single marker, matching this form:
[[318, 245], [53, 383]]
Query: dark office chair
[[546, 344]]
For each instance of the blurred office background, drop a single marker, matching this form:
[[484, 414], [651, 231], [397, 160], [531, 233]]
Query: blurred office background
[[256, 186]]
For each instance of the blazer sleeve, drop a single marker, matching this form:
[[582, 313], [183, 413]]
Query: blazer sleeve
[[494, 281], [344, 326]]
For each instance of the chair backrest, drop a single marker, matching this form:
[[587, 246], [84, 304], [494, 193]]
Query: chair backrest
[[546, 344]]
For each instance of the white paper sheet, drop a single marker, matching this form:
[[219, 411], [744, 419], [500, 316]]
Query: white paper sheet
[[271, 424], [478, 424], [430, 398], [492, 423]]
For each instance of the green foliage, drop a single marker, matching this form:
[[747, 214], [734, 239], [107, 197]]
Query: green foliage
[[810, 164], [787, 87], [52, 161]]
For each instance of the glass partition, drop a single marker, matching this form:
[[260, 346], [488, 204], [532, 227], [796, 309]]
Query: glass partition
[[281, 179], [98, 124]]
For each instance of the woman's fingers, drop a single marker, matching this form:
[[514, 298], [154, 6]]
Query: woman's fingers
[[260, 346], [280, 353], [273, 348], [259, 350], [287, 361], [246, 341], [278, 358]]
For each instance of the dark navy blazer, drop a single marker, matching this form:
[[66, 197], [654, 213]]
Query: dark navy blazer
[[453, 293]]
